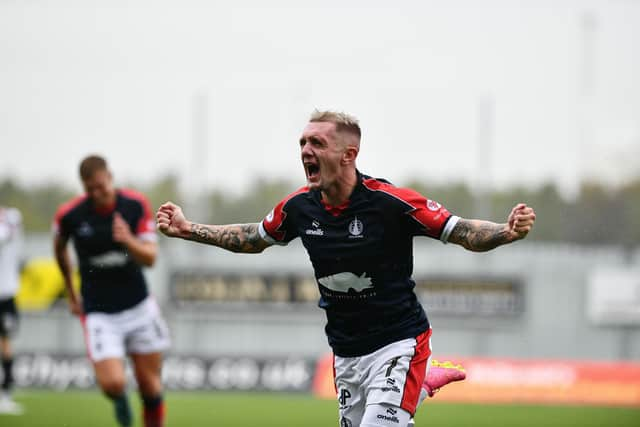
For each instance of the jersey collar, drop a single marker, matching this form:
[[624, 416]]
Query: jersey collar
[[338, 210], [106, 210]]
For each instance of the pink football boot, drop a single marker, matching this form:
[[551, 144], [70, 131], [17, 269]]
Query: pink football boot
[[441, 374]]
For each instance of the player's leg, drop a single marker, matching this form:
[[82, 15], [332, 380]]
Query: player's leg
[[397, 372], [105, 348], [8, 328], [111, 378], [7, 363], [349, 390], [7, 404], [147, 337], [438, 375], [147, 370]]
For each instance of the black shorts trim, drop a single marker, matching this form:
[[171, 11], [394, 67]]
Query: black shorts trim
[[8, 317]]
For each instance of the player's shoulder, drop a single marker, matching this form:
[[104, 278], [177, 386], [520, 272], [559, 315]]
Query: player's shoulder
[[387, 190], [129, 193], [376, 184], [134, 197], [69, 206], [295, 196]]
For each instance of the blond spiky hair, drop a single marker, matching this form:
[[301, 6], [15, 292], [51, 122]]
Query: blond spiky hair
[[344, 122]]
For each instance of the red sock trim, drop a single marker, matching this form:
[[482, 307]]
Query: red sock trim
[[154, 417]]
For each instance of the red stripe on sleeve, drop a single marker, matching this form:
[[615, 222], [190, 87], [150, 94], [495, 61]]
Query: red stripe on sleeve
[[64, 209], [273, 222], [146, 224]]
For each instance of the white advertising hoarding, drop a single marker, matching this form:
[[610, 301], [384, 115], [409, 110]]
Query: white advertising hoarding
[[614, 296]]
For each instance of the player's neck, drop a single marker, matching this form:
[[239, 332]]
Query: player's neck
[[108, 205], [340, 192]]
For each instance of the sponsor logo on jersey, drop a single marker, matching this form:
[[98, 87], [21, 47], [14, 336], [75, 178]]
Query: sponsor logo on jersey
[[355, 229], [433, 205], [85, 230], [316, 231], [342, 282], [109, 259]]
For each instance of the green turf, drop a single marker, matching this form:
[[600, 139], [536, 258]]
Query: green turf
[[90, 409]]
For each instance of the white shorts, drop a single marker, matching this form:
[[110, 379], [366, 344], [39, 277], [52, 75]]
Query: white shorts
[[138, 330], [391, 376]]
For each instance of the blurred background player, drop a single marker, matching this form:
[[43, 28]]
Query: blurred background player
[[10, 250], [113, 233], [358, 232]]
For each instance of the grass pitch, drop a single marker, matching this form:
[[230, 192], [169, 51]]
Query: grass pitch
[[90, 409]]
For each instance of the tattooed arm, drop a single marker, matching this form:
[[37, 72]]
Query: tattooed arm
[[480, 236], [235, 237]]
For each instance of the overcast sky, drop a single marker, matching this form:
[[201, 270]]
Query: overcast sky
[[558, 81]]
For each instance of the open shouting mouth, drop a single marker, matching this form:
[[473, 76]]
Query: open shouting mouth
[[312, 170]]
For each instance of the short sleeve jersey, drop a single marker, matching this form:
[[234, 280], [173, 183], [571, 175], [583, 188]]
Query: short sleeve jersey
[[112, 280], [362, 255], [10, 251]]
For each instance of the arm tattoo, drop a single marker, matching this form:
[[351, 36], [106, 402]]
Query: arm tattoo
[[479, 236], [236, 237]]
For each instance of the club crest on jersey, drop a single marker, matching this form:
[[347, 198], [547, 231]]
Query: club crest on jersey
[[355, 229], [433, 205], [269, 217]]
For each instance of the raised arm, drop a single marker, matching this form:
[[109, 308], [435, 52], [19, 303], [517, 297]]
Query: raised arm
[[243, 238], [480, 236]]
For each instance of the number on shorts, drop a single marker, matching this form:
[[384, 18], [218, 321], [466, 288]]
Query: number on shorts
[[392, 365]]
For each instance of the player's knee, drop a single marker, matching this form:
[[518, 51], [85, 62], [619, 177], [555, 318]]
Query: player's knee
[[113, 386], [149, 384]]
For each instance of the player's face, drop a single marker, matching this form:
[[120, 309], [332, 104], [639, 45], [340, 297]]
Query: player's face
[[321, 154], [99, 187]]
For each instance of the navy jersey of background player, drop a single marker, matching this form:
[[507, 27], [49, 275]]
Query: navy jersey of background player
[[362, 255], [111, 279]]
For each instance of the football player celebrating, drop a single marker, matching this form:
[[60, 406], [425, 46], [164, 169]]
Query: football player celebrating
[[358, 232]]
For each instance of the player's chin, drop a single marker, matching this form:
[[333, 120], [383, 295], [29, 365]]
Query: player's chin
[[313, 183]]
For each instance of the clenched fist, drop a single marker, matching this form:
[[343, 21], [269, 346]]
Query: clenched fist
[[171, 221], [521, 221]]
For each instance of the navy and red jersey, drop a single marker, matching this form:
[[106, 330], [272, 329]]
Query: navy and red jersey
[[362, 256], [112, 280]]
